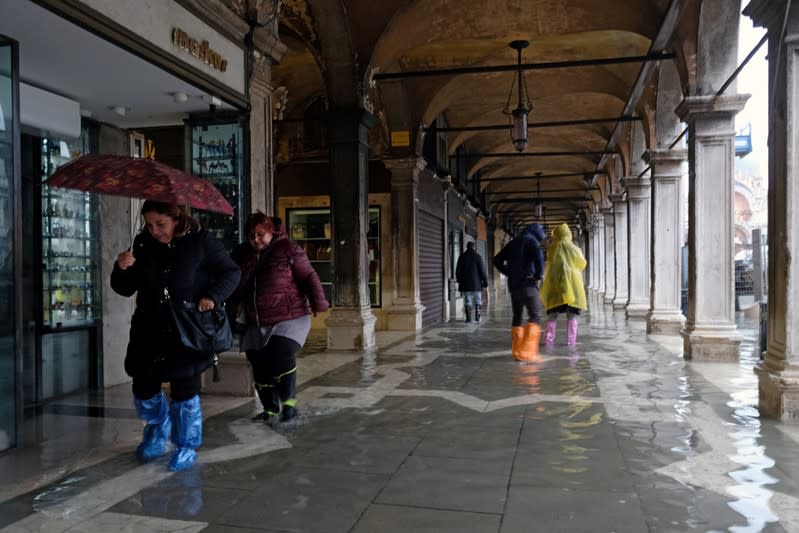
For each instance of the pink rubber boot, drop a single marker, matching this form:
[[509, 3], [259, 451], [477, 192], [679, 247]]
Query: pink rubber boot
[[571, 331], [549, 338]]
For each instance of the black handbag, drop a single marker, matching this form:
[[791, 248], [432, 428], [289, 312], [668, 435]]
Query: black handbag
[[205, 332]]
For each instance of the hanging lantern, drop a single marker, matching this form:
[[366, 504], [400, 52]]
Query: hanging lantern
[[518, 116]]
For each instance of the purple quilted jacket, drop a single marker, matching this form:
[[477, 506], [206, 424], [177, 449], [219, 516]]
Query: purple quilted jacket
[[285, 287]]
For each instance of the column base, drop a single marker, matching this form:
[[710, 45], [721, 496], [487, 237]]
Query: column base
[[664, 322], [351, 329], [778, 393], [620, 302], [637, 310], [406, 317], [608, 298], [711, 344]]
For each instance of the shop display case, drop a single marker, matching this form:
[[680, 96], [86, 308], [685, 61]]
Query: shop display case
[[69, 245], [216, 153], [310, 228]]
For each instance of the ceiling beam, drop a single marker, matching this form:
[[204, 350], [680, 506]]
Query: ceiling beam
[[486, 181], [493, 193], [540, 200], [658, 56], [551, 124], [661, 40], [532, 154]]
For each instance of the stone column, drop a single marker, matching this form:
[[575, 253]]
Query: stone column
[[665, 315], [351, 324], [622, 263], [262, 185], [405, 311], [610, 255], [778, 373], [710, 332], [638, 244], [599, 251], [589, 255]]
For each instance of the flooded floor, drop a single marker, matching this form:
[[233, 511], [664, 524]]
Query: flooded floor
[[439, 432]]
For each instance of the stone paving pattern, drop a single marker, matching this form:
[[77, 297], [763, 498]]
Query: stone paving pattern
[[440, 432]]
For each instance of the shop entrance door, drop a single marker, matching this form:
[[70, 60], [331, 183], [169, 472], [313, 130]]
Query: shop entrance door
[[9, 297]]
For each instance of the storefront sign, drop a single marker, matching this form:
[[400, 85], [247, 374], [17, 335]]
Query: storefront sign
[[199, 49], [400, 138]]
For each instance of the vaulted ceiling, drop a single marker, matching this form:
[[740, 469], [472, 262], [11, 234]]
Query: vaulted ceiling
[[373, 51]]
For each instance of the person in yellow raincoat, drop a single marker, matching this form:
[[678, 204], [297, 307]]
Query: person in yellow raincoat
[[562, 290]]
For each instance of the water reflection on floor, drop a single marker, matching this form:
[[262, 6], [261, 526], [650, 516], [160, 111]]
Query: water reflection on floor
[[441, 431]]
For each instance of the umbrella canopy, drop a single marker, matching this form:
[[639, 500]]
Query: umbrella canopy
[[139, 178]]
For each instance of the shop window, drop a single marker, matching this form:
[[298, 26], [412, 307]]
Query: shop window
[[311, 229]]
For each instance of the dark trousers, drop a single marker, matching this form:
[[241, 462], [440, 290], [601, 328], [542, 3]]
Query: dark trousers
[[180, 389], [525, 298], [274, 369]]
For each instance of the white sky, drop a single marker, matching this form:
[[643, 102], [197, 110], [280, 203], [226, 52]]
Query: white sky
[[753, 80]]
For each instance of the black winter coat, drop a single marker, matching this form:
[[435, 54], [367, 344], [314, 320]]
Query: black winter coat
[[521, 260], [191, 267], [470, 272]]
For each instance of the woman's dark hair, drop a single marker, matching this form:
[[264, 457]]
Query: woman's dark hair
[[259, 219], [185, 223]]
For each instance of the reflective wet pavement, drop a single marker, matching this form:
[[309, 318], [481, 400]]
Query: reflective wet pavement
[[440, 432]]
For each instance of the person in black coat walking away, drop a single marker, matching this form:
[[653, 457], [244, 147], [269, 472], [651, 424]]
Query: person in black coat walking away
[[471, 276], [172, 258], [522, 261]]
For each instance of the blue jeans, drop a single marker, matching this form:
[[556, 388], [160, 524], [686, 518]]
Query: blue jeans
[[472, 297]]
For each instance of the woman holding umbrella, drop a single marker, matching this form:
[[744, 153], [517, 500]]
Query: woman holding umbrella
[[171, 258]]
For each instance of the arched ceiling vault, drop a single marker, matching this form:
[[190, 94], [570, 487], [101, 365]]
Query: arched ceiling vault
[[335, 46]]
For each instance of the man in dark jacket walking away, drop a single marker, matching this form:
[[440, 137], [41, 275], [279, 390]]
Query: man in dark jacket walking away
[[522, 262], [471, 276]]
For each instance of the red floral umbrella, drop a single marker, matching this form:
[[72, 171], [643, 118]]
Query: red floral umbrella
[[139, 178]]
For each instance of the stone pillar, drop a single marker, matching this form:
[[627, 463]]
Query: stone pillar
[[405, 311], [589, 255], [710, 332], [638, 244], [599, 223], [610, 255], [622, 263], [262, 185], [351, 324], [665, 315], [778, 373]]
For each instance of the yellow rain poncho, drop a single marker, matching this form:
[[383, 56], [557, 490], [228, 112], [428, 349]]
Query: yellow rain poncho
[[563, 279]]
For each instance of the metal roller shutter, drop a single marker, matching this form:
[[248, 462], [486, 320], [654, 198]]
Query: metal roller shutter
[[431, 267]]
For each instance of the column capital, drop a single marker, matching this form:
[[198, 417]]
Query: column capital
[[656, 156], [711, 106], [637, 188], [405, 171], [619, 201]]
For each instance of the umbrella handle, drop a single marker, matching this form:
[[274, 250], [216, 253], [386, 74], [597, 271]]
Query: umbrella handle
[[136, 222]]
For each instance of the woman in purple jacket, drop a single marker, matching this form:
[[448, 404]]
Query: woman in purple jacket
[[278, 291]]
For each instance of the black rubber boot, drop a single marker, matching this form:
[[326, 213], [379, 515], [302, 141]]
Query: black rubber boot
[[268, 395], [468, 313], [477, 313]]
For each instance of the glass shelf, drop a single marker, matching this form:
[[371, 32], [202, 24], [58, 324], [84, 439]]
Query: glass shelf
[[310, 228], [216, 155], [69, 245]]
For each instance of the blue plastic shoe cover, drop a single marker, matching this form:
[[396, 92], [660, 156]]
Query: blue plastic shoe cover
[[155, 412], [187, 432]]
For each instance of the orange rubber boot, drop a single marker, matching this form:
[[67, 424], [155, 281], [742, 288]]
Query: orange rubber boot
[[517, 338], [529, 345]]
